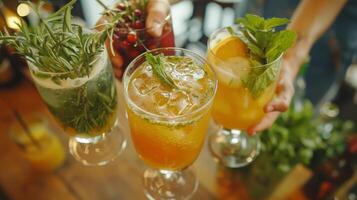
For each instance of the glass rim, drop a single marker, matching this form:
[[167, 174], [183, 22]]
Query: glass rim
[[129, 101], [34, 68], [210, 48]]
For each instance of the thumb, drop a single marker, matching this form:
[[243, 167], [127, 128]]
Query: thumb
[[157, 12]]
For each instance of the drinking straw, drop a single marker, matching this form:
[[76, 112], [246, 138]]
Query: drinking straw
[[25, 128]]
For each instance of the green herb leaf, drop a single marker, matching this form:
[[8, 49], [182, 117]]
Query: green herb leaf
[[265, 45], [158, 68], [279, 43], [257, 82], [67, 22], [231, 31], [60, 50], [299, 137], [57, 45], [274, 22]]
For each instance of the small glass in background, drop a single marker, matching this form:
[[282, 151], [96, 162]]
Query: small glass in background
[[38, 142]]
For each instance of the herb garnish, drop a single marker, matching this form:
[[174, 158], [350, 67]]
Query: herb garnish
[[265, 45], [62, 50], [57, 45], [158, 68]]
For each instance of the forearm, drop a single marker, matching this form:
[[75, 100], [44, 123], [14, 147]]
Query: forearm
[[310, 20]]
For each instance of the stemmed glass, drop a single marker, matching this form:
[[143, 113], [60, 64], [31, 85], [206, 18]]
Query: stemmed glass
[[86, 108], [168, 125], [235, 108]]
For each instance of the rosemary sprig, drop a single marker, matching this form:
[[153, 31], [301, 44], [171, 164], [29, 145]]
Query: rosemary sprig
[[57, 45], [61, 49], [158, 68]]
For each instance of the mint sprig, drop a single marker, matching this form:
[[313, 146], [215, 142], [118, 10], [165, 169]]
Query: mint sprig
[[265, 45], [158, 68]]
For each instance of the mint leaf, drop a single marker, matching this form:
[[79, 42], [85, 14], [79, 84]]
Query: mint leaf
[[252, 22], [158, 69], [257, 80], [265, 45], [279, 43], [274, 22]]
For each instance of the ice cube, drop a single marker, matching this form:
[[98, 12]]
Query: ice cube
[[232, 70], [179, 103], [239, 65], [198, 73], [196, 99], [144, 84], [148, 70], [160, 97], [186, 69]]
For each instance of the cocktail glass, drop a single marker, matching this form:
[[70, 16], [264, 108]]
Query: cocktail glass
[[235, 108], [131, 35], [168, 125], [86, 109], [40, 146]]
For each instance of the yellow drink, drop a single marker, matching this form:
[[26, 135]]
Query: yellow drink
[[165, 147], [168, 125], [48, 155], [235, 107]]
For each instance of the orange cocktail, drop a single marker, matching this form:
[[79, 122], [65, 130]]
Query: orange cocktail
[[165, 146], [244, 88], [169, 121], [235, 107]]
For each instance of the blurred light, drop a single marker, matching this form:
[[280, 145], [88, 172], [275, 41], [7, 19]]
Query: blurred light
[[23, 9], [212, 19], [227, 17], [12, 22]]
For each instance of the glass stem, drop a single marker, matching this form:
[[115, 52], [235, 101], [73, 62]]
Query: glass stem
[[167, 174]]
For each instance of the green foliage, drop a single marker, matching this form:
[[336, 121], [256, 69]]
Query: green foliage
[[296, 137], [62, 50], [86, 109], [57, 45], [265, 46]]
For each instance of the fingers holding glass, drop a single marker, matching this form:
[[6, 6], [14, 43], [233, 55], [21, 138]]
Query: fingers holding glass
[[157, 10]]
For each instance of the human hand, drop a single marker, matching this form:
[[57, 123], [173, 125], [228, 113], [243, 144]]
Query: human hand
[[157, 10], [285, 92]]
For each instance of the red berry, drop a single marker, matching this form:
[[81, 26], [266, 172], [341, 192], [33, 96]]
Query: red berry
[[125, 44], [127, 18], [137, 12], [138, 24], [121, 6], [132, 37]]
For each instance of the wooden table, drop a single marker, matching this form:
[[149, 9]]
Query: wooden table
[[119, 180]]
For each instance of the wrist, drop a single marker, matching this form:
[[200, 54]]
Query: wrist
[[296, 56]]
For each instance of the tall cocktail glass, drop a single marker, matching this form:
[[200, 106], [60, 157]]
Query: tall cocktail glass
[[236, 108], [169, 124], [86, 109]]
